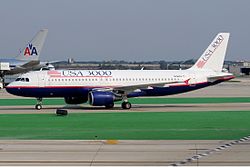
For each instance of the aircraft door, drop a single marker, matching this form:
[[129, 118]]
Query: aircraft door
[[41, 80]]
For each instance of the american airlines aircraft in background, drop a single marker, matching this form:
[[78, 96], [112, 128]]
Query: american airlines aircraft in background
[[104, 87], [29, 56]]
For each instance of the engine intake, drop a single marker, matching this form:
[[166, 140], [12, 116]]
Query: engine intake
[[101, 98]]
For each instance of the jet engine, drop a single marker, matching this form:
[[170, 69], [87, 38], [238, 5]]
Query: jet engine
[[75, 100], [103, 98]]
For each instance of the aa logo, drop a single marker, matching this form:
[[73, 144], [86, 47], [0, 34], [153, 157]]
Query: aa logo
[[30, 50]]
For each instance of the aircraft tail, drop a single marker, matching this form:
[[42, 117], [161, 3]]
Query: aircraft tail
[[213, 57], [33, 49]]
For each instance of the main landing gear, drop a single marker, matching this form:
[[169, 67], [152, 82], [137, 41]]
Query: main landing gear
[[38, 106], [126, 105]]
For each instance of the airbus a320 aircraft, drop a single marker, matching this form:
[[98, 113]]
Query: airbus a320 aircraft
[[104, 87]]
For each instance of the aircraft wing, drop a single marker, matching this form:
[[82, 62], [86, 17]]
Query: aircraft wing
[[131, 88], [16, 70], [30, 64], [23, 68]]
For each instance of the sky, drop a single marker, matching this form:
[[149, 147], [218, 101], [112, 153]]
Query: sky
[[130, 30]]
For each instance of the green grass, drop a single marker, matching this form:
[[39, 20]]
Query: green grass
[[55, 101], [154, 125]]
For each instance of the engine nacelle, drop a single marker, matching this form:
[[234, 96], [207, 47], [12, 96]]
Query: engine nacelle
[[75, 100], [102, 98]]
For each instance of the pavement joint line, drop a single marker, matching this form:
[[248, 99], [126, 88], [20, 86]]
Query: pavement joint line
[[220, 148]]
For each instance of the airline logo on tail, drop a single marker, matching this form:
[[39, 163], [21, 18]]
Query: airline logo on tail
[[210, 51], [30, 50]]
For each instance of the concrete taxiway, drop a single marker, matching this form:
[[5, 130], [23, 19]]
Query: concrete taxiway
[[130, 152], [121, 152], [136, 108]]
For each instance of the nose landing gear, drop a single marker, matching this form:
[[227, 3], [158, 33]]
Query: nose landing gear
[[38, 106]]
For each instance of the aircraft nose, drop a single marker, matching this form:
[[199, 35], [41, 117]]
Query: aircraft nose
[[11, 89], [8, 89]]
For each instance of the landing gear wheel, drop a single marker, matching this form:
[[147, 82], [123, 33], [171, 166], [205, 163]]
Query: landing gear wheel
[[38, 106], [126, 105], [108, 106], [39, 103]]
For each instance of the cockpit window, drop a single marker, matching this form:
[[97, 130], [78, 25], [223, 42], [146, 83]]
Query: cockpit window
[[23, 79]]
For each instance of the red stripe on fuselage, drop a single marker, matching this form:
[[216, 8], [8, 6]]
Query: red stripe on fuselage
[[80, 76]]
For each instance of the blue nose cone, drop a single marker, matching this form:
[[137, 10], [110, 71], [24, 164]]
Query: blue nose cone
[[11, 90]]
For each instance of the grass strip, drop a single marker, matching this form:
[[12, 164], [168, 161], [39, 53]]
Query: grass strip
[[132, 126]]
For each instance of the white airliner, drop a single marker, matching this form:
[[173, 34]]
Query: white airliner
[[29, 56], [104, 87]]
